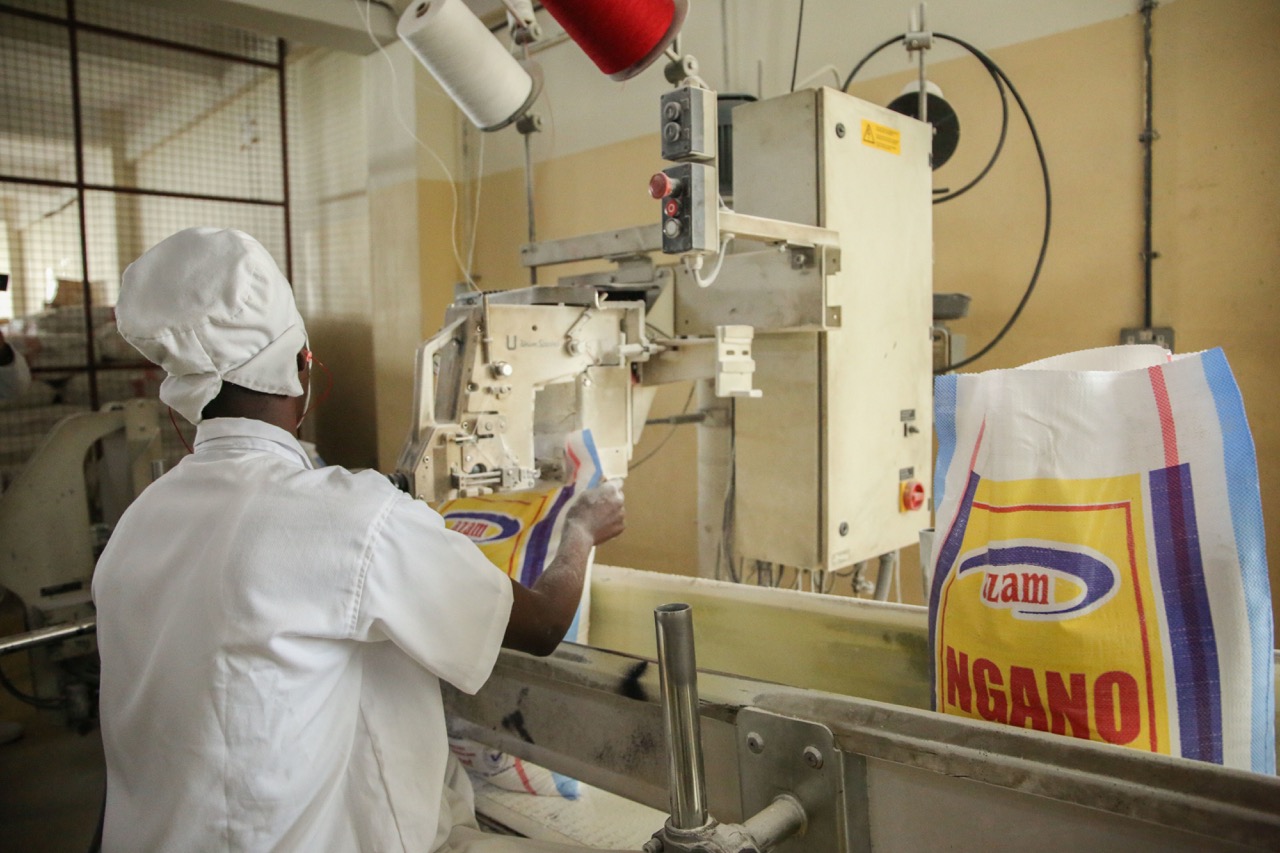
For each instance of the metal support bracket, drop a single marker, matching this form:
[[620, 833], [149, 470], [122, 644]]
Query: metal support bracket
[[919, 40], [780, 755], [777, 231], [734, 366]]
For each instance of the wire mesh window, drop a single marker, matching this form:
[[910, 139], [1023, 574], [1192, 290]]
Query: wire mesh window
[[119, 125]]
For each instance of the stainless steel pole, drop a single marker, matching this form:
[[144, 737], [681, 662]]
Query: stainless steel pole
[[678, 672], [44, 636]]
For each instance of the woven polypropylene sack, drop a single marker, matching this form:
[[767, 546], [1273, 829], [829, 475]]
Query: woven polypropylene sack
[[519, 533], [1099, 568]]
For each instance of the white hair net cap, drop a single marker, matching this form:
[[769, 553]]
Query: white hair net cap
[[210, 305]]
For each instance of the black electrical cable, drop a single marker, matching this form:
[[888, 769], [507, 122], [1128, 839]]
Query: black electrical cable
[[1148, 138], [1048, 205], [668, 436], [1004, 131], [875, 50], [948, 195], [34, 701], [725, 553], [795, 62], [999, 77]]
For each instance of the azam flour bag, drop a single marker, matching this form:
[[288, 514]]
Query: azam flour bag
[[1099, 568], [518, 532]]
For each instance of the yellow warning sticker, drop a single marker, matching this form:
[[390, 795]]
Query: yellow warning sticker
[[882, 137]]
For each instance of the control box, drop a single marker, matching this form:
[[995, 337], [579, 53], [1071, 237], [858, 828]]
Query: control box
[[689, 196], [689, 125]]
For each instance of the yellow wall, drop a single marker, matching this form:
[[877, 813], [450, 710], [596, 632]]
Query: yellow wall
[[439, 270], [594, 190], [394, 280], [413, 153], [1216, 220], [329, 174], [1216, 210]]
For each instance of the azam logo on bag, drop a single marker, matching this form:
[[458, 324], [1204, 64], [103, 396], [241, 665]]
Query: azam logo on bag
[[1041, 580], [483, 528]]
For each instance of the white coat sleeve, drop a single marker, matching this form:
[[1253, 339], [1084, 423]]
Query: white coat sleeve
[[434, 594]]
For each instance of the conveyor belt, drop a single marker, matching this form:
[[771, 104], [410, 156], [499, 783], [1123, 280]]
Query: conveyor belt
[[596, 819]]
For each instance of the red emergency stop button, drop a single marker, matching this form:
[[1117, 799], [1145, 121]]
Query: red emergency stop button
[[912, 495], [661, 185]]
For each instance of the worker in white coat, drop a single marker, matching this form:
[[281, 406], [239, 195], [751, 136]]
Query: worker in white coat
[[273, 636]]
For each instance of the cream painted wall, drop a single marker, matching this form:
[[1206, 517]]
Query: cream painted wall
[[381, 216], [1083, 91], [415, 218], [329, 174], [1216, 217], [1216, 211]]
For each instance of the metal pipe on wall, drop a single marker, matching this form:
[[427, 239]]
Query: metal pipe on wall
[[1147, 138], [528, 199]]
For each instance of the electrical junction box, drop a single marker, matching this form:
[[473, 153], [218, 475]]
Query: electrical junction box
[[832, 464]]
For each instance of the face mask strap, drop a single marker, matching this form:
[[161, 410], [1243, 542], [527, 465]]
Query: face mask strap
[[178, 430], [308, 407]]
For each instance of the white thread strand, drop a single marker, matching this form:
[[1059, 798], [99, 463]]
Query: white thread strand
[[471, 65], [395, 111]]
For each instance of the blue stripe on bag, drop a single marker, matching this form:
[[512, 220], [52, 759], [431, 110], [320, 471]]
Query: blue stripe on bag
[[539, 545], [1245, 498], [589, 442], [944, 424], [945, 392], [1186, 603]]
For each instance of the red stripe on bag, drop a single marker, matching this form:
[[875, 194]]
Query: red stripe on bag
[[519, 768], [1167, 427]]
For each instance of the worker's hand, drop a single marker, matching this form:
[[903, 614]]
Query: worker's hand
[[600, 512]]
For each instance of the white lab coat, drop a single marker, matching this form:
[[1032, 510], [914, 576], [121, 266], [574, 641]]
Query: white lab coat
[[272, 641]]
